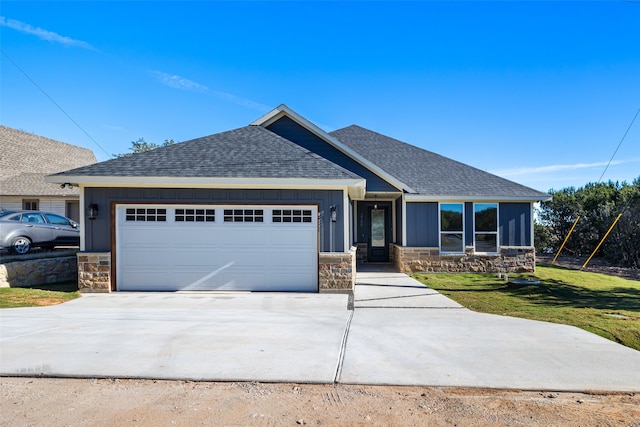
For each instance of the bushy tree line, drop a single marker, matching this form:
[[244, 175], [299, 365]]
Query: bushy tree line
[[140, 146], [598, 205]]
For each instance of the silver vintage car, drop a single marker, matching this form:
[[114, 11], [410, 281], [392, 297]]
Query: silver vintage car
[[22, 230]]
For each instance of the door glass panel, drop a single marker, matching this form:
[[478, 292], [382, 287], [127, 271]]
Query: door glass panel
[[377, 228]]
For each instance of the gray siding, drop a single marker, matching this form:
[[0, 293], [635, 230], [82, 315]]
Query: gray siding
[[98, 231], [468, 224], [422, 224], [287, 128], [398, 224], [515, 224]]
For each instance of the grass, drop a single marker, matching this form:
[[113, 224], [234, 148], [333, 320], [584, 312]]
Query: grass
[[605, 305], [55, 293]]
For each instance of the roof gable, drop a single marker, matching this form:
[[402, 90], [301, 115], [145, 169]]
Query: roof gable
[[430, 174], [340, 153]]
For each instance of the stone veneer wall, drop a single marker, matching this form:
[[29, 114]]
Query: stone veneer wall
[[94, 271], [36, 272], [337, 271], [511, 259]]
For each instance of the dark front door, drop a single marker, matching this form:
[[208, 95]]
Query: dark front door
[[378, 243]]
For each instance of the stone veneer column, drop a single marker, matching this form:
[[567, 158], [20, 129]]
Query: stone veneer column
[[337, 271], [94, 271]]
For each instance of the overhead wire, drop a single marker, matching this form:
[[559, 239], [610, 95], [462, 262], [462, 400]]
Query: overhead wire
[[54, 102], [619, 144]]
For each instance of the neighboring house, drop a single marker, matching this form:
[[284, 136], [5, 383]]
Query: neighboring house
[[281, 205], [25, 159]]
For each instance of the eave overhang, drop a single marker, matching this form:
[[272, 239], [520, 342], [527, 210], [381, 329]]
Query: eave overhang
[[450, 198], [356, 188]]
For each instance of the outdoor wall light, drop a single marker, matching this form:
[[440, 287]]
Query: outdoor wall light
[[334, 214], [92, 211]]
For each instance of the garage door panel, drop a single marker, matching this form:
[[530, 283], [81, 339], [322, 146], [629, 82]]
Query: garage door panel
[[216, 255]]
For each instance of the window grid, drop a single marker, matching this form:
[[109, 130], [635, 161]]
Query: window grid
[[146, 215], [291, 215], [243, 215], [195, 215]]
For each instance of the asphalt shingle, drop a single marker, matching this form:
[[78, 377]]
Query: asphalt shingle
[[426, 172], [247, 152]]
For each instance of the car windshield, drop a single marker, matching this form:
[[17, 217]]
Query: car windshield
[[5, 213]]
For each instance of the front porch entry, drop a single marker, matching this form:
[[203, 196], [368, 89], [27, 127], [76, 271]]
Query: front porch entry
[[374, 230]]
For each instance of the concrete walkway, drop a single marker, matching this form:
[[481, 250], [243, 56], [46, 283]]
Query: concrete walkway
[[399, 332], [403, 333]]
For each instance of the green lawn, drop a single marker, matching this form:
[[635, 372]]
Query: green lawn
[[605, 305], [55, 293]]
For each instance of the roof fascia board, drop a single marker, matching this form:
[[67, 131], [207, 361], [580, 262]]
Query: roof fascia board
[[283, 110], [355, 187], [424, 198]]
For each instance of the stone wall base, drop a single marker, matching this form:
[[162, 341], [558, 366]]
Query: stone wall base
[[36, 272], [94, 272], [510, 259], [337, 271]]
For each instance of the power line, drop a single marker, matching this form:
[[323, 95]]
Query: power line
[[54, 102], [619, 144]]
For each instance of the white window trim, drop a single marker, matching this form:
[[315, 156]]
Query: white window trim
[[440, 228], [497, 232]]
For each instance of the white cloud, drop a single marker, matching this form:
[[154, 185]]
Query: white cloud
[[178, 82], [550, 168], [43, 34], [241, 101]]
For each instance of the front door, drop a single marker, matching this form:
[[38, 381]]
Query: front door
[[378, 243]]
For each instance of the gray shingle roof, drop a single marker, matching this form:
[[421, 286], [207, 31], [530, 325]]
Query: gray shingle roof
[[33, 185], [426, 172], [247, 152], [25, 159]]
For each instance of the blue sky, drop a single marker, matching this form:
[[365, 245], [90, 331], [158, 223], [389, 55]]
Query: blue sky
[[538, 92]]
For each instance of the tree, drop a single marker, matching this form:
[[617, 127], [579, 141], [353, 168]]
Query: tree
[[598, 205], [140, 146]]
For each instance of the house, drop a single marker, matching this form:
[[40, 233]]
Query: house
[[281, 205], [25, 160]]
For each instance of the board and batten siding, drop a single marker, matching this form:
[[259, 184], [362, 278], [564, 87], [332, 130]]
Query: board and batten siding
[[98, 231], [514, 224], [289, 129], [422, 224]]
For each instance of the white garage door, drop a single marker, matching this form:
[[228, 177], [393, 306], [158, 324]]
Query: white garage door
[[216, 247]]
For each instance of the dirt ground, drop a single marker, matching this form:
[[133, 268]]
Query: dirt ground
[[101, 402]]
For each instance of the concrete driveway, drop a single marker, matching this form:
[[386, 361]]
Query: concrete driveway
[[399, 332]]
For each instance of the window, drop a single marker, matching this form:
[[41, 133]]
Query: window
[[486, 227], [451, 227], [146, 215], [195, 215], [30, 205], [34, 218], [243, 215], [291, 215], [57, 219]]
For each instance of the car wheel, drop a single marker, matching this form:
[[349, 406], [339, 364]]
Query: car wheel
[[20, 245]]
